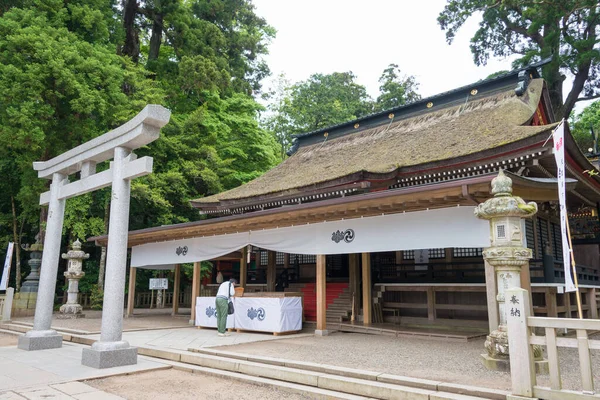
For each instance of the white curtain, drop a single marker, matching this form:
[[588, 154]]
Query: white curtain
[[439, 228]]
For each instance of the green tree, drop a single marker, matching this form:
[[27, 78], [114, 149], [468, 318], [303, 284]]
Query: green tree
[[326, 100], [567, 31], [396, 90], [584, 123], [60, 85]]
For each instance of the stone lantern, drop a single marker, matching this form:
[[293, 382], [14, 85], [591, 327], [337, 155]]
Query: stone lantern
[[507, 255], [72, 309]]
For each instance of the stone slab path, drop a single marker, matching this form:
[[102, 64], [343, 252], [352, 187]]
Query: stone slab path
[[20, 370]]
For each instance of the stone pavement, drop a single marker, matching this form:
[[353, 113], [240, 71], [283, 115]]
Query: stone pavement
[[42, 374], [59, 391], [185, 338]]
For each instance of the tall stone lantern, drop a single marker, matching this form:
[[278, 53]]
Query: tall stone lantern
[[507, 254], [72, 309]]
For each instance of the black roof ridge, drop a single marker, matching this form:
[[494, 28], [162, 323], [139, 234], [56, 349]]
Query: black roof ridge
[[514, 72]]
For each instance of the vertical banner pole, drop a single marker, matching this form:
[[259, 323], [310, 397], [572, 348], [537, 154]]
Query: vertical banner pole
[[571, 285], [575, 280]]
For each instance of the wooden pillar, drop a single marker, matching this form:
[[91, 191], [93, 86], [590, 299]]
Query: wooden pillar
[[430, 304], [366, 283], [244, 267], [354, 284], [131, 294], [271, 271], [567, 297], [321, 296], [593, 313], [195, 291], [176, 284], [286, 260], [491, 292], [550, 295]]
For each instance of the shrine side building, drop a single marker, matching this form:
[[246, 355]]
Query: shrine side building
[[373, 219]]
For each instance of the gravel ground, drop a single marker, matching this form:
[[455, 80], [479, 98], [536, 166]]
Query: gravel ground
[[173, 384], [6, 339], [143, 319], [448, 361]]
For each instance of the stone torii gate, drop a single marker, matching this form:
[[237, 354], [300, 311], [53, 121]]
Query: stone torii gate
[[117, 144]]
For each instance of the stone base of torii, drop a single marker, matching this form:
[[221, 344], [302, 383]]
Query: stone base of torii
[[110, 350]]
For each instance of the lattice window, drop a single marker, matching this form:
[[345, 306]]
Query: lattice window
[[556, 242], [437, 253], [529, 235], [264, 257], [279, 258], [433, 253], [543, 236], [467, 252]]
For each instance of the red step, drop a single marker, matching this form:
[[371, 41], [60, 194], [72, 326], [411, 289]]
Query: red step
[[333, 291]]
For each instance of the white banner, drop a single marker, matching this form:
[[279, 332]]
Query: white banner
[[6, 270], [268, 314], [559, 156], [439, 228], [206, 313]]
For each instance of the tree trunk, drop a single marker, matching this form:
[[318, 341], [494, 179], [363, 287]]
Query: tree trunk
[[102, 265], [131, 47], [17, 240], [156, 39]]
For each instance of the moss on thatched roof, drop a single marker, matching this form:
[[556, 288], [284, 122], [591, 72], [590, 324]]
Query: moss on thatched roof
[[478, 125]]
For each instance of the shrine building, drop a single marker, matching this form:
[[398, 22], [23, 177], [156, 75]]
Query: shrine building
[[373, 219]]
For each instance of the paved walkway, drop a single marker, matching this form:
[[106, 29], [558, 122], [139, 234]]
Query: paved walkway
[[42, 374], [185, 338]]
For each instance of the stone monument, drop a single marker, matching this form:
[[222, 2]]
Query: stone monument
[[26, 299], [72, 309], [507, 255]]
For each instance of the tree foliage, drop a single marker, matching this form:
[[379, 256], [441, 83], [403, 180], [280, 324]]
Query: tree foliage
[[324, 100], [70, 71], [395, 89], [584, 123], [566, 31]]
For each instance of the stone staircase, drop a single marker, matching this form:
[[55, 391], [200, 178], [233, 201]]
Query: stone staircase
[[338, 299]]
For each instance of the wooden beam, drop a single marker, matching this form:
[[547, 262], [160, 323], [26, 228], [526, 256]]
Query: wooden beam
[[321, 294], [176, 284], [271, 271], [244, 267], [131, 294], [366, 281], [195, 291]]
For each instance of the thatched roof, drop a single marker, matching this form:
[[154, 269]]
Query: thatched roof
[[451, 132]]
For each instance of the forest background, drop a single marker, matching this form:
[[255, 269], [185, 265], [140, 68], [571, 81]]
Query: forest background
[[73, 70]]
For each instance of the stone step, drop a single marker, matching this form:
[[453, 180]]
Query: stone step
[[309, 391], [340, 379]]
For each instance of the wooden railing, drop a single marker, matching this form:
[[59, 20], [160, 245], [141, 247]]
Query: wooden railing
[[520, 324], [148, 299]]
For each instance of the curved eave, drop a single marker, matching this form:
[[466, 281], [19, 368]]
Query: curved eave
[[463, 192]]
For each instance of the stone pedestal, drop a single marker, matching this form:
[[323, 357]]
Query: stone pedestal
[[72, 309], [25, 301], [109, 354], [507, 255]]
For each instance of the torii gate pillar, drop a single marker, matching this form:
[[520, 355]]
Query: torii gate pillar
[[144, 128]]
